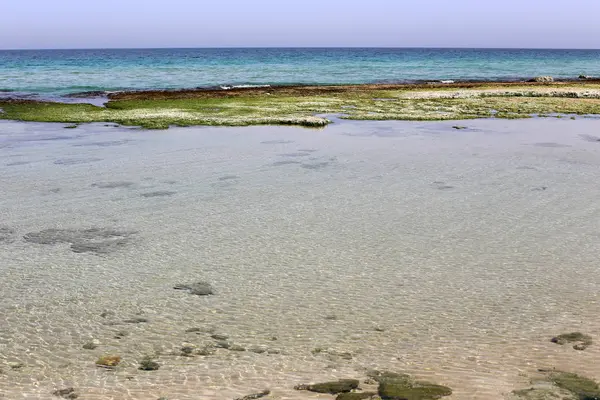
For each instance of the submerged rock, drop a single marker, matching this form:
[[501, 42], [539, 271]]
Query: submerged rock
[[581, 340], [394, 386], [67, 393], [147, 364], [109, 361], [334, 387], [560, 385], [255, 396], [199, 288]]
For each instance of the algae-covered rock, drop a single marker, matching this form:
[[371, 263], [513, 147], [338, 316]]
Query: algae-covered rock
[[356, 396], [334, 387], [581, 340], [255, 396], [417, 391], [198, 288], [584, 388], [66, 393], [147, 364], [109, 361], [394, 386]]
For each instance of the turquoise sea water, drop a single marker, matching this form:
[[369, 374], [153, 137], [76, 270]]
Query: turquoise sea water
[[60, 72]]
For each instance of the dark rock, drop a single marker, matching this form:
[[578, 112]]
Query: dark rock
[[187, 351], [255, 396], [121, 334], [147, 364], [237, 347], [459, 127], [335, 387], [67, 393], [198, 288]]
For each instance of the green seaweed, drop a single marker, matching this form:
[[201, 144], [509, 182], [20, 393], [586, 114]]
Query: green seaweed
[[584, 388], [302, 107], [394, 386]]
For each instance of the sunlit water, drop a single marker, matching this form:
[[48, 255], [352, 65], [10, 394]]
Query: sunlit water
[[453, 255], [58, 72]]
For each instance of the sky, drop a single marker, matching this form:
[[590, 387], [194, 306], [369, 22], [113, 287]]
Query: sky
[[38, 24]]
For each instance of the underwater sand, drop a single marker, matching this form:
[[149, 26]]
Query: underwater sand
[[453, 255]]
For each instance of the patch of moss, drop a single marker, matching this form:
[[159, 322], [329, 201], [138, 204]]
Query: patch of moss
[[393, 386], [584, 388]]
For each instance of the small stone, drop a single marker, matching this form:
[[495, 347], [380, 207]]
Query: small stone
[[543, 79], [331, 317], [121, 334], [187, 351], [237, 347], [198, 288], [67, 393], [90, 346], [16, 365], [219, 336], [107, 314], [223, 344], [459, 127], [109, 361], [147, 364], [258, 349], [255, 396], [378, 329], [580, 346], [273, 351]]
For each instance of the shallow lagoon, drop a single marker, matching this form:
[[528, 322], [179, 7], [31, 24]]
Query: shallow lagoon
[[453, 255]]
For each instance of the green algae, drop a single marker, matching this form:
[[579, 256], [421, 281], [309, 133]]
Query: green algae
[[305, 107], [394, 386], [334, 387], [584, 388]]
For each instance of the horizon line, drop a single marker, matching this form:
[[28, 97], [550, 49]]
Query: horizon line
[[298, 47]]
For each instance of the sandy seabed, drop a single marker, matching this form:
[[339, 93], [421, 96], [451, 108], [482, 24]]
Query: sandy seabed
[[452, 255]]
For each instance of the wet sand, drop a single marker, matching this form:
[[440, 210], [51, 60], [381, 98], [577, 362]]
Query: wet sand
[[452, 255]]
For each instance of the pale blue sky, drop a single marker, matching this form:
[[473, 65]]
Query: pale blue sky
[[241, 23]]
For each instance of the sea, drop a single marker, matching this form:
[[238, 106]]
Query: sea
[[63, 72]]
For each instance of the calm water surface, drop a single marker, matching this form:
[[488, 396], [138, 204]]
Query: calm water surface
[[451, 255]]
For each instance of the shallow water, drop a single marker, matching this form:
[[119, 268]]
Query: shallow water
[[453, 255]]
